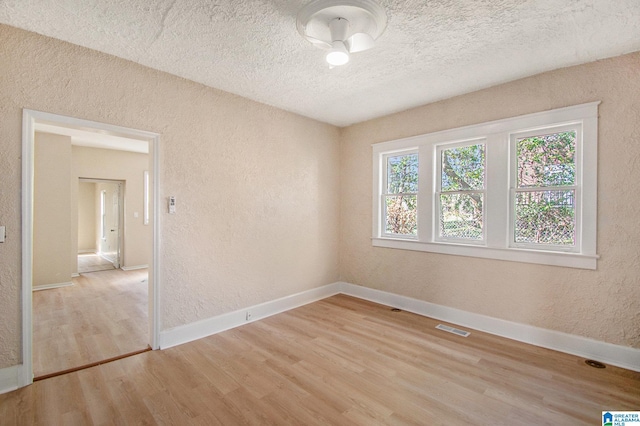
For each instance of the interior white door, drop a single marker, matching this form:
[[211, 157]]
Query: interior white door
[[110, 221]]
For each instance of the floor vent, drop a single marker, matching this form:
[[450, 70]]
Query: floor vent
[[452, 330]]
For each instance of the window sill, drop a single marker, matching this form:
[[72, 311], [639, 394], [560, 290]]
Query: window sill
[[554, 258]]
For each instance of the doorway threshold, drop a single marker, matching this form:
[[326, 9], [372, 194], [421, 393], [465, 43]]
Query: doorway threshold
[[92, 364]]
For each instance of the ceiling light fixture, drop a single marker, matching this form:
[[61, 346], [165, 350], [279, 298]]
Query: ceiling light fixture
[[338, 55], [341, 26]]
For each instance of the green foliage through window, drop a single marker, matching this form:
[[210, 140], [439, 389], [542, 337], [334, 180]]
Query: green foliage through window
[[461, 198], [402, 174], [545, 216], [547, 160], [402, 216], [401, 203], [463, 168]]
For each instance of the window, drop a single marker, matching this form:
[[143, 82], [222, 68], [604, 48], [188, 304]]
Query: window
[[544, 190], [510, 189], [400, 195], [460, 193]]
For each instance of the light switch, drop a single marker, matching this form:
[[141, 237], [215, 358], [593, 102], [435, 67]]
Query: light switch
[[172, 205], [2, 234], [135, 215]]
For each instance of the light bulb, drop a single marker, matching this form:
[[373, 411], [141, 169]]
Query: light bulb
[[338, 54]]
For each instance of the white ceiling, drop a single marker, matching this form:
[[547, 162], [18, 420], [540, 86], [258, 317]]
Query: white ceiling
[[431, 49]]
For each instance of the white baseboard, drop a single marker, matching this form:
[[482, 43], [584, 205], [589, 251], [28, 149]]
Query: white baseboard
[[133, 268], [9, 378], [50, 286], [620, 356], [87, 251], [75, 275], [197, 330]]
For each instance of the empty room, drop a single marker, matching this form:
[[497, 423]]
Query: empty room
[[319, 212]]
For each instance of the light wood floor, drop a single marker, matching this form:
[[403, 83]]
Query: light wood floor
[[339, 361], [91, 262], [103, 315]]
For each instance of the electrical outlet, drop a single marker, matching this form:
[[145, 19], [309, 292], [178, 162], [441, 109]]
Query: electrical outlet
[[248, 315]]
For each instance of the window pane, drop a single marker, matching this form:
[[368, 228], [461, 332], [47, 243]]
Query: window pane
[[461, 216], [547, 160], [402, 174], [463, 168], [545, 217], [401, 217]]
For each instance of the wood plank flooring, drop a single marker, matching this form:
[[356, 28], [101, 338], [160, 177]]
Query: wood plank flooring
[[103, 315], [339, 361]]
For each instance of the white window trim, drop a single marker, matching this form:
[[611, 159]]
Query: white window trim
[[498, 135]]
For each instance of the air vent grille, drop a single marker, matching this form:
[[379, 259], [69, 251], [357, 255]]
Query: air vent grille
[[452, 330]]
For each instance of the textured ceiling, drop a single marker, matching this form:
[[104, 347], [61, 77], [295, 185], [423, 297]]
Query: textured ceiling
[[431, 49]]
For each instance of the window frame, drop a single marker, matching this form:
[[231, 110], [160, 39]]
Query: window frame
[[439, 148], [498, 206], [514, 137]]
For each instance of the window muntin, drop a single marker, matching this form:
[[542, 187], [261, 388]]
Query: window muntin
[[460, 195], [545, 190], [400, 201]]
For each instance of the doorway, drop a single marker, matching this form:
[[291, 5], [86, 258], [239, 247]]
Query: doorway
[[92, 134], [100, 220]]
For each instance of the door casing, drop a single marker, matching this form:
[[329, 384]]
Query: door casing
[[30, 118]]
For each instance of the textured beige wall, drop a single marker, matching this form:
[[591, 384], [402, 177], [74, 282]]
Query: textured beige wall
[[87, 217], [52, 255], [257, 187], [96, 163], [602, 304]]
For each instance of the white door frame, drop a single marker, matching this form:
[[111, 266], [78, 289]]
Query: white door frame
[[29, 120]]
